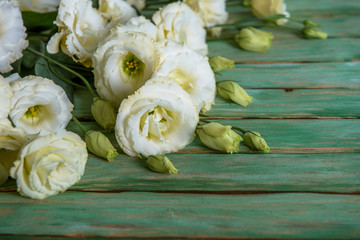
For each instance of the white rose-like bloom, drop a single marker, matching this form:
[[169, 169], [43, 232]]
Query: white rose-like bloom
[[191, 70], [81, 27], [212, 12], [5, 96], [119, 11], [158, 118], [11, 140], [123, 63], [178, 22], [49, 164], [12, 34], [39, 106], [140, 24], [138, 4], [265, 8], [39, 5]]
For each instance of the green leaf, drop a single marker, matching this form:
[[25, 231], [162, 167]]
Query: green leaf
[[29, 59], [42, 69], [38, 22]]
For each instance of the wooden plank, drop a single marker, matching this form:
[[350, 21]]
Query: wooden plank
[[301, 50], [269, 103], [144, 215], [225, 173], [284, 136], [293, 75]]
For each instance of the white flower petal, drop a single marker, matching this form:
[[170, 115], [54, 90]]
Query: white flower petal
[[119, 11], [191, 70], [112, 81], [158, 118], [12, 34], [50, 164], [54, 108], [5, 97], [81, 27], [178, 22]]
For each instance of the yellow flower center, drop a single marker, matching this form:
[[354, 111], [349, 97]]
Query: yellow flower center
[[33, 112], [132, 65]]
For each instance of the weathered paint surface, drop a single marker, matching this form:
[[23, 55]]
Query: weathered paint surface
[[306, 105]]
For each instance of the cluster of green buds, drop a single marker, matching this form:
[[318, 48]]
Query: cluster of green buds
[[219, 137], [224, 139], [254, 40], [231, 91], [218, 63], [311, 30], [104, 113], [160, 163]]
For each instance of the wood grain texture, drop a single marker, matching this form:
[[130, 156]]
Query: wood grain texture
[[269, 103], [301, 50], [127, 215], [283, 136], [292, 75], [224, 173]]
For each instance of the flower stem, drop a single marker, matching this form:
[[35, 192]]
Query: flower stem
[[64, 79], [239, 129], [77, 122], [87, 84]]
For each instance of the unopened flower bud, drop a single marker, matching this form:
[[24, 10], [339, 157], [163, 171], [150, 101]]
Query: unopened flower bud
[[256, 142], [104, 113], [219, 63], [160, 163], [100, 145], [310, 24], [219, 137], [254, 40], [313, 33], [230, 90]]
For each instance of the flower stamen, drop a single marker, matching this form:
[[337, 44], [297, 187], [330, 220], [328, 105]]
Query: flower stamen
[[33, 112]]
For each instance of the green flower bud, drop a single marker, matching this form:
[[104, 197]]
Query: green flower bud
[[160, 163], [230, 90], [219, 137], [100, 145], [312, 33], [104, 113], [310, 24], [254, 40], [219, 63], [256, 142]]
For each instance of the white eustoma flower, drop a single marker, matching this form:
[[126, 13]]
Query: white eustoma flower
[[138, 4], [5, 96], [212, 12], [12, 34], [11, 140], [191, 70], [123, 63], [158, 118], [50, 164], [39, 106], [265, 8], [140, 24], [39, 5], [81, 27], [119, 11], [178, 22]]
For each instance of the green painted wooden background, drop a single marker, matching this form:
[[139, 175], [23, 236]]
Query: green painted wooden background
[[306, 104]]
